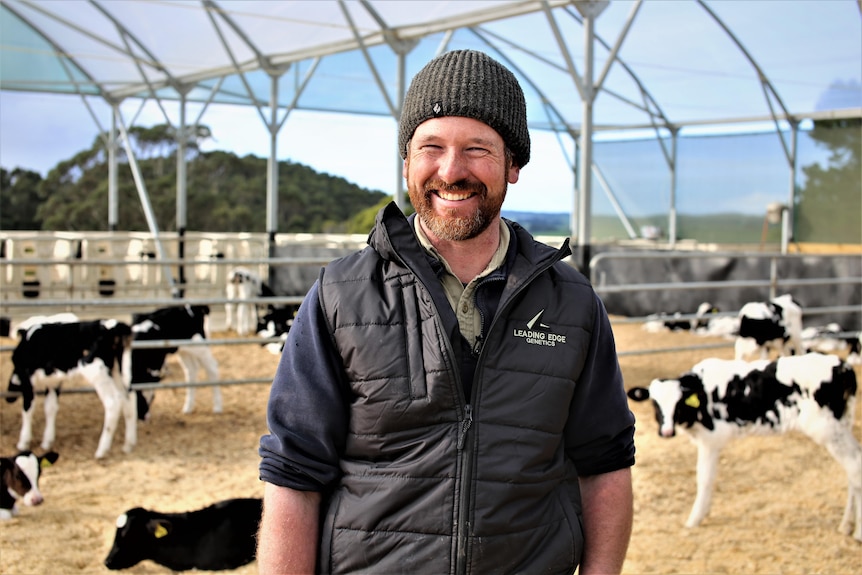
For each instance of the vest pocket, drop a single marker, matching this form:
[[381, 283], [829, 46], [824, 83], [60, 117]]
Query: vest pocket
[[413, 334]]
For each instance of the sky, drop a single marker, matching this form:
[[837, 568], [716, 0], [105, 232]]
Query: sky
[[38, 130]]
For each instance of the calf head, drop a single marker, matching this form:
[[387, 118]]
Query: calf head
[[138, 530], [680, 401], [20, 480]]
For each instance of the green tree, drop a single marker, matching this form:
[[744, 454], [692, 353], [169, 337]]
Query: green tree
[[363, 221], [829, 207], [225, 193], [19, 199]]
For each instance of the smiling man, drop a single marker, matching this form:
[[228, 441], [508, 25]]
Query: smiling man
[[449, 399]]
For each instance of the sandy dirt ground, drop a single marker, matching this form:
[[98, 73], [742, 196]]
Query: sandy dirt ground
[[776, 509]]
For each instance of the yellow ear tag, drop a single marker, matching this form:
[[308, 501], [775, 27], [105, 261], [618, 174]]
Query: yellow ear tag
[[160, 532], [692, 401], [44, 464]]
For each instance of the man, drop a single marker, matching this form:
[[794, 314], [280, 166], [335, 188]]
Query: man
[[449, 399]]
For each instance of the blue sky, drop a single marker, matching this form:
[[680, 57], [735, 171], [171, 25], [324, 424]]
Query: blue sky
[[38, 130]]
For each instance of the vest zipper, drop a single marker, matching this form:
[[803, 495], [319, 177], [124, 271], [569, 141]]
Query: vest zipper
[[465, 448], [462, 530], [477, 346]]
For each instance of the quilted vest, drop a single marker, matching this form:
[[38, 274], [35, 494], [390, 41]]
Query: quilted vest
[[433, 483]]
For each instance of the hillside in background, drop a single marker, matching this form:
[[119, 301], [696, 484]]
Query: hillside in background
[[711, 228], [225, 192]]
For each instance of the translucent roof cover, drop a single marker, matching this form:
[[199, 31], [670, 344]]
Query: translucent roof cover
[[675, 63]]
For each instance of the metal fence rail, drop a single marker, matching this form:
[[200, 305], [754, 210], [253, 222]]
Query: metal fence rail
[[119, 300]]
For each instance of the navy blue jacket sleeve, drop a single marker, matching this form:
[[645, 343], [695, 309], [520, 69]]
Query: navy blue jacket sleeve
[[600, 432], [307, 413]]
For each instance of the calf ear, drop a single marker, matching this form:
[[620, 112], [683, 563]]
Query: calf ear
[[638, 393], [159, 528], [48, 459]]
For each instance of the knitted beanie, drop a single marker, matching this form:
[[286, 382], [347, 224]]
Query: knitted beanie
[[471, 84]]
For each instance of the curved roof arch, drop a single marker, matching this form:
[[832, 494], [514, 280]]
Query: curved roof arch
[[670, 61]]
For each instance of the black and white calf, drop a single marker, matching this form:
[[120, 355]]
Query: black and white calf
[[174, 323], [720, 399], [663, 322], [20, 480], [63, 317], [219, 537], [98, 351], [276, 323], [772, 325], [832, 338], [243, 285]]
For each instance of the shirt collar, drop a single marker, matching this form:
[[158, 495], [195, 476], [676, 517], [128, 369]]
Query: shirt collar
[[497, 260]]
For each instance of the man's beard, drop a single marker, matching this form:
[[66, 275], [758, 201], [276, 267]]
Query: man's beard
[[451, 226]]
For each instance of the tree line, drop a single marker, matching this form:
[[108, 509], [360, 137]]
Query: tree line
[[225, 192]]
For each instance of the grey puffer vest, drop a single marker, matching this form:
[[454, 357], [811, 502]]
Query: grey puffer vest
[[431, 483]]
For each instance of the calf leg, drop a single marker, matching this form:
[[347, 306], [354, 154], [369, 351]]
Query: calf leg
[[26, 435], [229, 307], [193, 359], [52, 406], [847, 451], [130, 413], [112, 402], [113, 408], [190, 369], [838, 439], [707, 467], [852, 515], [228, 313], [210, 366], [242, 319]]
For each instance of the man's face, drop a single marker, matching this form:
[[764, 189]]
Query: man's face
[[457, 172]]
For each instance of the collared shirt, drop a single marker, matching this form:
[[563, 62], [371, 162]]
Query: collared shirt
[[460, 296]]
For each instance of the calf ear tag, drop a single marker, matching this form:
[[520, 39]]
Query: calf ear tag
[[692, 401], [44, 464], [160, 531]]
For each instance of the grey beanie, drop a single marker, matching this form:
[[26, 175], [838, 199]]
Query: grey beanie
[[471, 84]]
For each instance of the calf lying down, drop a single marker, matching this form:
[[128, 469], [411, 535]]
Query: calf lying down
[[219, 537], [720, 399], [19, 480]]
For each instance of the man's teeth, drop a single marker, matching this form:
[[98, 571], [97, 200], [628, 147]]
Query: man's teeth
[[452, 196]]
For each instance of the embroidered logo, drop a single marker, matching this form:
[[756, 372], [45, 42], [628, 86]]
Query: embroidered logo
[[533, 321], [538, 333], [437, 108]]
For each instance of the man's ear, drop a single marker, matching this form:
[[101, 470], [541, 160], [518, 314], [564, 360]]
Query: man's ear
[[514, 174]]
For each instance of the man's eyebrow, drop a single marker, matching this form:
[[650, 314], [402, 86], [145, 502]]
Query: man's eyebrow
[[472, 141]]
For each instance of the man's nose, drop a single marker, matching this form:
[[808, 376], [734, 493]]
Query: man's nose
[[452, 167]]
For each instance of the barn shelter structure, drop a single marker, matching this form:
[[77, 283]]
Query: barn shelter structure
[[603, 77]]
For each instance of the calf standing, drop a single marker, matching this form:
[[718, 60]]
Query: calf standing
[[174, 323], [776, 324], [20, 480], [243, 285], [720, 399], [99, 351], [219, 537]]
